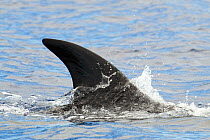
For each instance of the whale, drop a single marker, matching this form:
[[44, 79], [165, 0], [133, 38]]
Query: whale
[[99, 84]]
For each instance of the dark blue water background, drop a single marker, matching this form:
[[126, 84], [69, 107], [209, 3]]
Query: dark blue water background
[[172, 37]]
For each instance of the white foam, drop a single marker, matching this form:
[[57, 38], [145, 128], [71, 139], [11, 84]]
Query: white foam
[[12, 109], [193, 110], [11, 104]]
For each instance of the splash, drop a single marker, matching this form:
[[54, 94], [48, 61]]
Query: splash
[[191, 109], [144, 83], [15, 104], [11, 103]]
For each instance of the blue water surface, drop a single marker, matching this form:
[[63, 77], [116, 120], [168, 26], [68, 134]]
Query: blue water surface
[[172, 37]]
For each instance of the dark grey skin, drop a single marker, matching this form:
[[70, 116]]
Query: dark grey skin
[[98, 83]]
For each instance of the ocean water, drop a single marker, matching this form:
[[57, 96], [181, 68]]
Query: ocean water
[[161, 45]]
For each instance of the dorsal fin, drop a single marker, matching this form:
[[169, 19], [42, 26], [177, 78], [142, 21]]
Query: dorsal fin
[[86, 68]]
